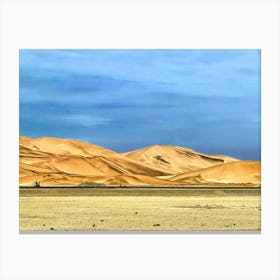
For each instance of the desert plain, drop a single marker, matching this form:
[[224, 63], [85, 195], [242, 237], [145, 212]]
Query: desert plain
[[84, 187], [160, 209]]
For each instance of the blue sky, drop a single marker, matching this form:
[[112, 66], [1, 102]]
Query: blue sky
[[208, 100]]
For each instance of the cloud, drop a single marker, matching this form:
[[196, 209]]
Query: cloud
[[85, 120], [124, 99]]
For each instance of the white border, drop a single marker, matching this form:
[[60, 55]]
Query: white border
[[146, 24]]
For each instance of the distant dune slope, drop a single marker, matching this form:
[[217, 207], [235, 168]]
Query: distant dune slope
[[63, 162], [63, 146], [238, 172], [175, 160]]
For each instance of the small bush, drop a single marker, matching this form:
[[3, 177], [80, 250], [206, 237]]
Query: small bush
[[91, 184]]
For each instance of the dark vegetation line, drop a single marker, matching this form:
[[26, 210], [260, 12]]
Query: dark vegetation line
[[145, 187]]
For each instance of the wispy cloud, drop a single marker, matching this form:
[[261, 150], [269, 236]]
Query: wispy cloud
[[85, 120]]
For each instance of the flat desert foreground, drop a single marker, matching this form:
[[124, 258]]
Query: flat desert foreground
[[134, 209]]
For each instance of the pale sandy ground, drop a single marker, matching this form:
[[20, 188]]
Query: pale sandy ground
[[218, 210]]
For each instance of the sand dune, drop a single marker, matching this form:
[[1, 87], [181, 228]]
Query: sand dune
[[70, 162], [176, 160], [63, 146], [238, 172], [64, 162]]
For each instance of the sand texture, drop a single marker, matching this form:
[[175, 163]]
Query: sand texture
[[139, 209], [65, 162]]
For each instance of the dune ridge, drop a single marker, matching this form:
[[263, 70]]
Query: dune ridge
[[238, 172], [175, 159], [66, 162]]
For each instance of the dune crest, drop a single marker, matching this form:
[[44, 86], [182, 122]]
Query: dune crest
[[63, 146], [175, 159]]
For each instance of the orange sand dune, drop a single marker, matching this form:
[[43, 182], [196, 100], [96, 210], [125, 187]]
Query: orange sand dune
[[136, 180], [176, 160], [63, 146], [73, 162], [55, 179], [238, 172], [35, 169], [60, 179], [63, 162]]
